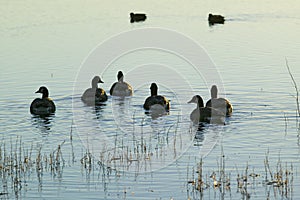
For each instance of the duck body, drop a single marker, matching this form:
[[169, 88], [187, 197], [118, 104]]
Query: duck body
[[121, 88], [94, 95], [216, 19], [154, 99], [205, 114], [137, 17], [44, 105], [221, 104]]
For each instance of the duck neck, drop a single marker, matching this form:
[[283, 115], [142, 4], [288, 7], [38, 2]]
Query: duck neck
[[120, 77], [121, 80], [200, 103], [94, 84], [45, 94], [153, 92]]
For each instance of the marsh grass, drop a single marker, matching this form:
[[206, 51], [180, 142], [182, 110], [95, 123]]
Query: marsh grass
[[296, 98], [17, 164], [20, 165], [278, 177]]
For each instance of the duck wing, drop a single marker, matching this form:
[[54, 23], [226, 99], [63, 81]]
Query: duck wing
[[211, 115], [152, 100], [112, 88], [121, 89], [42, 106], [220, 104], [100, 95]]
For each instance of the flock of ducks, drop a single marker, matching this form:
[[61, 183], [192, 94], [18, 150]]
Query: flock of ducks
[[212, 19], [215, 111]]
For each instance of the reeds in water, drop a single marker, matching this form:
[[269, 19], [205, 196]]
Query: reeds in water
[[279, 178], [17, 164]]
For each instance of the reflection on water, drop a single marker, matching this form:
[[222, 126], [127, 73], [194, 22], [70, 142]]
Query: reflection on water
[[127, 139], [43, 123], [98, 109]]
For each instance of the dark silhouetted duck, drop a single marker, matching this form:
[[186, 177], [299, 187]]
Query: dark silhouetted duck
[[137, 17], [121, 88], [219, 103], [44, 105], [94, 95], [155, 101], [205, 114], [215, 19]]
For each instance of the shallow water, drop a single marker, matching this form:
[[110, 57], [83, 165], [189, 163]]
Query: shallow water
[[54, 44]]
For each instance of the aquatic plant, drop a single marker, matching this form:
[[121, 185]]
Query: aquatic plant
[[279, 178], [296, 97]]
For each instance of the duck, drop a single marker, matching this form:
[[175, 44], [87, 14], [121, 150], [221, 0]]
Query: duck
[[156, 102], [94, 95], [205, 114], [219, 103], [137, 17], [121, 88], [44, 105], [215, 19]]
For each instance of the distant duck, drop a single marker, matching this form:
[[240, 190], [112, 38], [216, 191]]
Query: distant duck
[[137, 17], [205, 114], [94, 95], [219, 103], [215, 19], [44, 105], [155, 102], [121, 88]]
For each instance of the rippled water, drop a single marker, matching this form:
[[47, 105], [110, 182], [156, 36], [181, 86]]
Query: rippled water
[[51, 43]]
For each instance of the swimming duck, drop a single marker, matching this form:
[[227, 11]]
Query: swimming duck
[[137, 17], [205, 114], [219, 103], [121, 88], [44, 105], [94, 95], [215, 19], [155, 100]]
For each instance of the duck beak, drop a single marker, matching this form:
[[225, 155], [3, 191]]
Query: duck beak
[[38, 91], [191, 101], [101, 81]]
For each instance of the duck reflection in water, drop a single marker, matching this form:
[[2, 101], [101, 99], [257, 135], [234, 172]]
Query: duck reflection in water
[[43, 123], [98, 110]]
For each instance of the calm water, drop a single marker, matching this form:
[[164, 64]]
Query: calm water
[[54, 43]]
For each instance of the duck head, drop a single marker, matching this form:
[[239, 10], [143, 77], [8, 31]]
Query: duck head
[[120, 76], [198, 100], [95, 81], [214, 91], [43, 90], [153, 89]]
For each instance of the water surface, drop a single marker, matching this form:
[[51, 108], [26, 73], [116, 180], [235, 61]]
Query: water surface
[[45, 43]]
